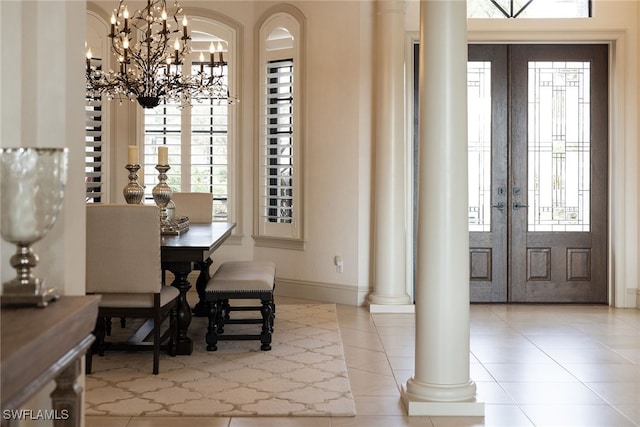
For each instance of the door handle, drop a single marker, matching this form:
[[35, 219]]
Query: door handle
[[517, 206], [499, 205]]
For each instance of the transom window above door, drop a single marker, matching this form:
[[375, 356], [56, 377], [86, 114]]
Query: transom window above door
[[529, 8]]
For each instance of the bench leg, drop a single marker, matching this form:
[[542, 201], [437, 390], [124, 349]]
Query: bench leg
[[88, 361], [212, 329], [107, 326], [100, 333], [222, 315], [226, 309], [267, 325]]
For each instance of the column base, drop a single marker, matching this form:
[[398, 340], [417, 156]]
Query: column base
[[418, 407], [424, 399], [389, 300], [392, 308]]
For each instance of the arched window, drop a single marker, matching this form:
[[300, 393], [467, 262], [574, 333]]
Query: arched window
[[280, 133], [201, 135]]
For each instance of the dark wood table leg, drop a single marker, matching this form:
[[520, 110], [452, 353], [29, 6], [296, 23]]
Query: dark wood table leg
[[200, 308], [184, 345]]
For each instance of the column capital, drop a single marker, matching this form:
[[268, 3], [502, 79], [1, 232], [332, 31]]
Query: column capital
[[391, 6]]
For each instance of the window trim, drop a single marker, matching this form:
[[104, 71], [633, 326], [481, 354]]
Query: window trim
[[281, 235]]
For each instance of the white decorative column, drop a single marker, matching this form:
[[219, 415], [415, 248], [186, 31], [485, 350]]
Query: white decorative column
[[441, 385], [390, 228]]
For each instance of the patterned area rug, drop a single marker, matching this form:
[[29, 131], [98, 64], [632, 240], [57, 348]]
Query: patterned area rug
[[303, 375]]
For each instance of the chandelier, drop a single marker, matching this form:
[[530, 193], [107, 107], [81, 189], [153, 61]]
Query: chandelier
[[150, 48]]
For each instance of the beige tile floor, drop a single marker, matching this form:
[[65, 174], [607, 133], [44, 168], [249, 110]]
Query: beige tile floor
[[534, 365]]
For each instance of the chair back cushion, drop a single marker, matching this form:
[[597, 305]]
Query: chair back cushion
[[197, 206], [123, 248]]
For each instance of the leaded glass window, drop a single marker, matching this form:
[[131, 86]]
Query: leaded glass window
[[559, 146], [529, 8], [479, 140]]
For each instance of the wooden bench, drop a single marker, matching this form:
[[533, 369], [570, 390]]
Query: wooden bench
[[240, 280]]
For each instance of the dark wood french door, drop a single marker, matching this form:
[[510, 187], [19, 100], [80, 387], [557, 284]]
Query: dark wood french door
[[538, 170]]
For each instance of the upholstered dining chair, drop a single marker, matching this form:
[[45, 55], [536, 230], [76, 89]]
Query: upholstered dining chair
[[123, 266], [198, 207]]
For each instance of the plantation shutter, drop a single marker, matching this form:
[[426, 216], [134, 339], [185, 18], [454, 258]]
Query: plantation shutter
[[163, 127], [278, 155], [197, 138], [94, 178]]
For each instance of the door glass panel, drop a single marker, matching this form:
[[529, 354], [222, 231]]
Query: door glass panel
[[479, 134], [559, 146]]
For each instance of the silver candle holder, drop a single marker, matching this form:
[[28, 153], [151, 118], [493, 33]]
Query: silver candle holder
[[133, 192], [162, 196]]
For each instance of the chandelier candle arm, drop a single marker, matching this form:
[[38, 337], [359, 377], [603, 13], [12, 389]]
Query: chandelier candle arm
[[164, 20], [113, 25], [185, 35], [212, 55], [125, 15]]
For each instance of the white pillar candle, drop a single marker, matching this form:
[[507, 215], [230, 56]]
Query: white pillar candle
[[163, 155], [133, 155]]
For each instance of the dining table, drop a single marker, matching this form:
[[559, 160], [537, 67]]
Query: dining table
[[180, 254]]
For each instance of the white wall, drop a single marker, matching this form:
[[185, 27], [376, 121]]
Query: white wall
[[338, 156]]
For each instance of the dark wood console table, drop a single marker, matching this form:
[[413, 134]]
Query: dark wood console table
[[43, 344]]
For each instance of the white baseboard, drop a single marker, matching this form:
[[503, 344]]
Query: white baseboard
[[321, 292]]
